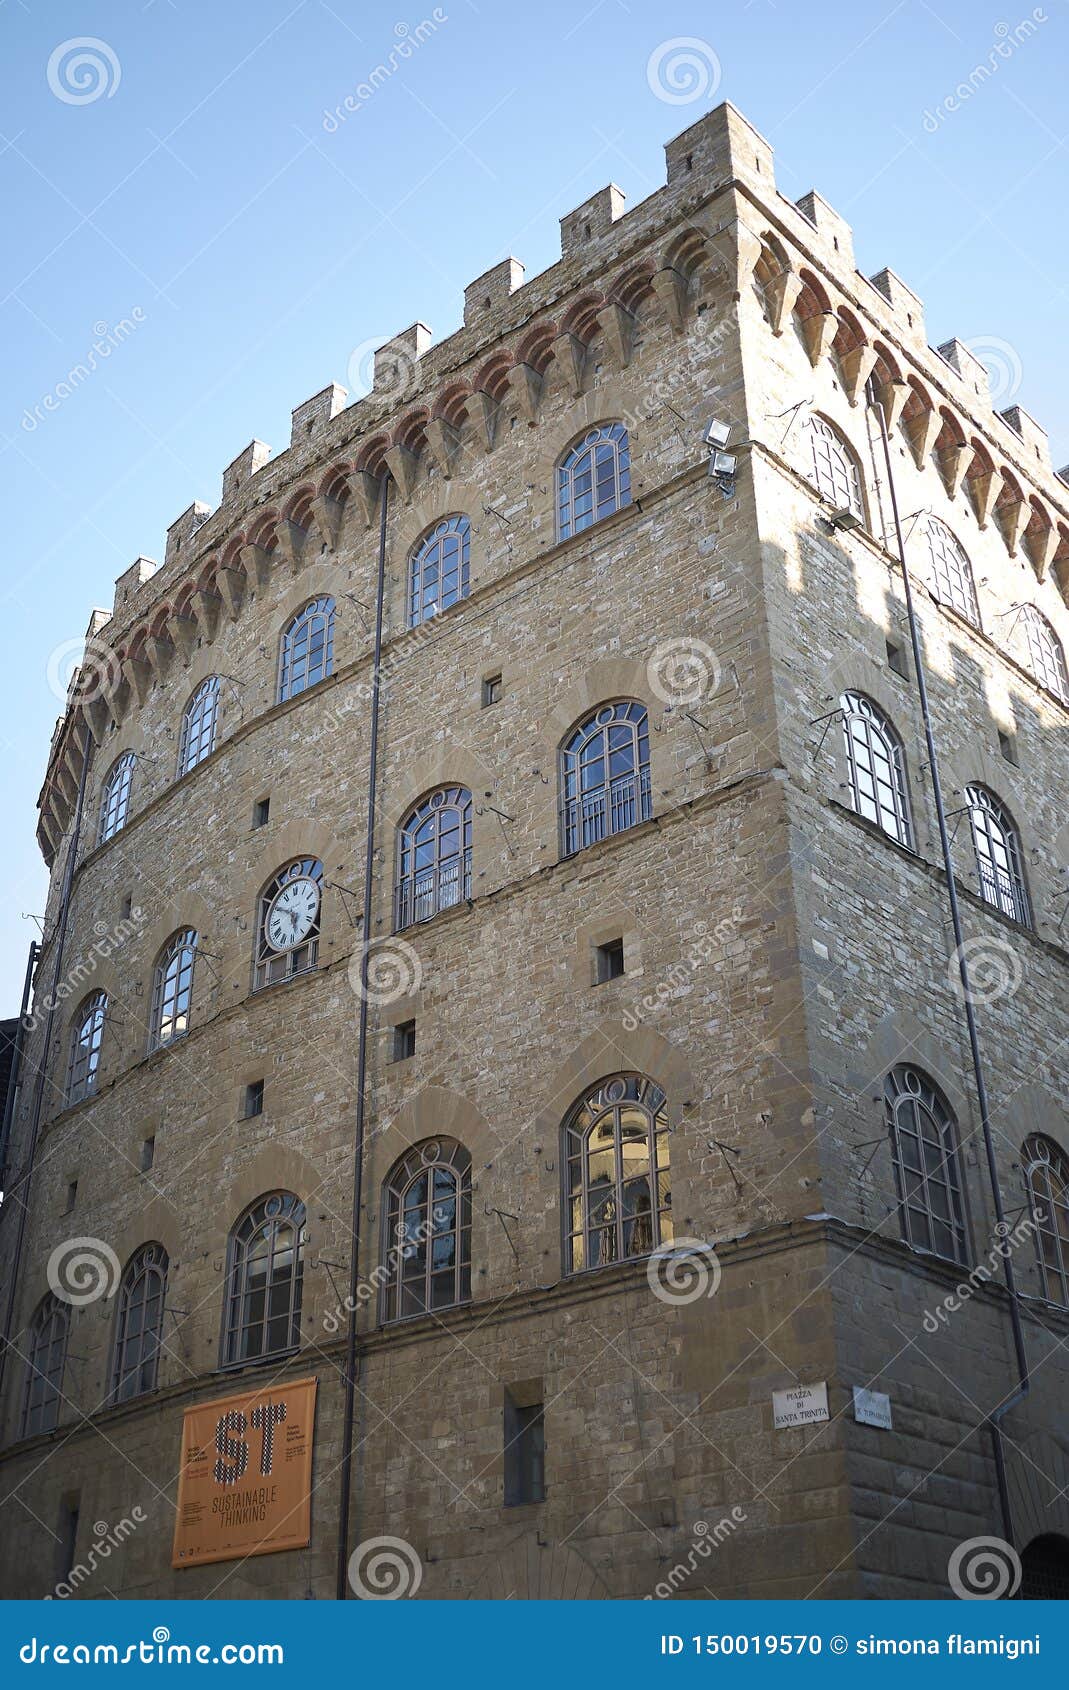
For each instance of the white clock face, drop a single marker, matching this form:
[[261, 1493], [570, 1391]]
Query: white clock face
[[292, 914]]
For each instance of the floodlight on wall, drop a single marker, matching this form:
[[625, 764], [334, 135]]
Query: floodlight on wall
[[717, 433], [844, 518], [723, 466]]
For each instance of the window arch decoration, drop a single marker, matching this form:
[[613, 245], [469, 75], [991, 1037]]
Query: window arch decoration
[[605, 775], [617, 1189], [1046, 655], [593, 478], [87, 1034], [115, 797], [434, 855], [997, 848], [1046, 1173], [439, 570], [306, 652], [426, 1231], [199, 723], [264, 1282], [288, 922], [172, 988], [952, 575], [47, 1360], [139, 1323], [876, 765], [925, 1158], [833, 468]]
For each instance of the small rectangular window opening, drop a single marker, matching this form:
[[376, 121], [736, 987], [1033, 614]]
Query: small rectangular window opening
[[525, 1452], [896, 660], [66, 1547], [1007, 744], [148, 1152], [609, 961], [404, 1041], [72, 1196], [491, 690], [261, 812], [254, 1098]]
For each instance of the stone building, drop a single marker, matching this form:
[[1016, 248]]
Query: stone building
[[658, 949]]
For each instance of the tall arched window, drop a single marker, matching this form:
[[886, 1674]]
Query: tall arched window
[[434, 855], [426, 1231], [307, 652], [1045, 654], [46, 1361], [998, 855], [439, 572], [952, 576], [617, 1191], [265, 1273], [925, 1157], [172, 988], [139, 1323], [877, 767], [593, 479], [87, 1033], [833, 468], [1046, 1173], [287, 922], [115, 796], [605, 775], [199, 725]]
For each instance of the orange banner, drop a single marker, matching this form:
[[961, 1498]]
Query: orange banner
[[245, 1486]]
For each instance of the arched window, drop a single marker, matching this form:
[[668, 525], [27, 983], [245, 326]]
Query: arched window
[[1046, 1172], [605, 775], [593, 479], [925, 1158], [287, 922], [998, 855], [198, 726], [139, 1323], [952, 577], [115, 797], [617, 1191], [426, 1231], [877, 767], [434, 855], [439, 570], [307, 653], [172, 988], [1045, 655], [87, 1034], [833, 468], [44, 1369], [265, 1273]]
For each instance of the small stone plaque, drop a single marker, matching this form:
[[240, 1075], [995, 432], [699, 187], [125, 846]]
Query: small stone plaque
[[872, 1408]]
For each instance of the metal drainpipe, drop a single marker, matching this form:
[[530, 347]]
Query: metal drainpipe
[[351, 1358], [16, 1061], [995, 1417], [21, 1192]]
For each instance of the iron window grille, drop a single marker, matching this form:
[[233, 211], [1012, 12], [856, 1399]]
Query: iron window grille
[[925, 1158], [605, 776], [307, 652], [199, 725], [272, 965], [426, 1231], [172, 989], [87, 1036], [833, 468], [115, 798], [952, 576], [1046, 1171], [434, 856], [265, 1275], [1045, 654], [593, 479], [877, 767], [439, 572], [139, 1324], [45, 1367], [997, 846], [617, 1189]]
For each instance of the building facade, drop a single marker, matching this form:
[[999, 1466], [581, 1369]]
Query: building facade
[[657, 954]]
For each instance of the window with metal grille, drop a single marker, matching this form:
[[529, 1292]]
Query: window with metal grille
[[434, 855], [265, 1274], [426, 1231], [198, 726], [288, 922], [1046, 657], [307, 651], [833, 468], [139, 1323], [593, 479], [46, 1360], [605, 775], [952, 577], [87, 1034], [997, 845], [925, 1158], [172, 989], [439, 571], [115, 796], [1045, 1569], [617, 1190], [877, 767], [1046, 1172]]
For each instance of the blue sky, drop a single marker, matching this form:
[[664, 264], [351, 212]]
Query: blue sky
[[255, 247]]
